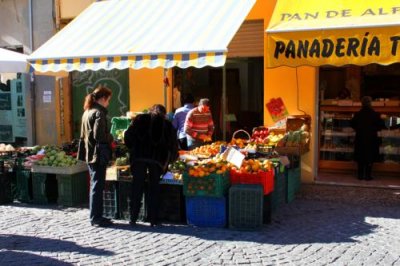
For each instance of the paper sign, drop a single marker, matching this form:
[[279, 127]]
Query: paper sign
[[233, 156], [277, 109]]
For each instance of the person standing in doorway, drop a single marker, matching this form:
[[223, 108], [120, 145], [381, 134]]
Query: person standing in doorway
[[151, 140], [366, 124], [199, 125], [179, 120], [96, 151]]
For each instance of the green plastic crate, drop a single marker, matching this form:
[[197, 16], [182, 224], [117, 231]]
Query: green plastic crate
[[246, 204], [213, 185], [24, 185], [72, 189], [5, 189], [278, 195], [44, 188], [293, 181]]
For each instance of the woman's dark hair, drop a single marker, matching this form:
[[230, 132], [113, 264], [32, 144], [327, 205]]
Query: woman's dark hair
[[158, 109], [98, 93]]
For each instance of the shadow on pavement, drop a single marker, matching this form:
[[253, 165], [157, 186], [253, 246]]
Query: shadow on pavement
[[20, 258], [30, 243], [300, 222]]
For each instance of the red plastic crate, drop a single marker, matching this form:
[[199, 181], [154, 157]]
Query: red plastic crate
[[266, 179]]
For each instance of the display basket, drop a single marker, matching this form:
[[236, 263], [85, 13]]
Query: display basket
[[240, 132], [295, 122], [266, 179], [70, 170], [293, 150], [213, 185]]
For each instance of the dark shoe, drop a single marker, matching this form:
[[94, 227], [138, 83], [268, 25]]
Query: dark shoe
[[155, 224], [369, 178], [360, 178], [103, 222], [133, 223]]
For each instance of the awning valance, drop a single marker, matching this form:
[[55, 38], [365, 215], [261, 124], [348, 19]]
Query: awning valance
[[12, 62], [144, 34], [340, 32]]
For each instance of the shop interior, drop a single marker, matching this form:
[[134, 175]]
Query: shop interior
[[340, 90], [244, 92]]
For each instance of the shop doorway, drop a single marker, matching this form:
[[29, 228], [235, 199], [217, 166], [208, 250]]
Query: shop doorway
[[341, 89], [244, 92]]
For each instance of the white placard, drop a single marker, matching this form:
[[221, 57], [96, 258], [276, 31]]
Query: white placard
[[233, 156], [46, 96]]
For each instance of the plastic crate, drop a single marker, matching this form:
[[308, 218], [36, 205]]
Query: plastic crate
[[124, 199], [80, 166], [119, 123], [266, 179], [206, 211], [5, 189], [24, 185], [110, 200], [278, 196], [72, 189], [44, 188], [246, 207], [213, 185], [293, 181], [172, 204]]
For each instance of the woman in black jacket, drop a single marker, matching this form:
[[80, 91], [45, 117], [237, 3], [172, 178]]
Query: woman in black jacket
[[366, 124], [96, 151], [152, 144]]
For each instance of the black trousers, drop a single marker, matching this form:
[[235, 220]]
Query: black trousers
[[140, 172], [364, 170]]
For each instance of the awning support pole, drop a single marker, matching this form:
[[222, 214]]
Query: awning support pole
[[165, 88], [224, 103]]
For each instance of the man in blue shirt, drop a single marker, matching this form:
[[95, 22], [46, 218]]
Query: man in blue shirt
[[179, 120]]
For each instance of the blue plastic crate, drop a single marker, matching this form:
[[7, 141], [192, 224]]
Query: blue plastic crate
[[246, 206], [206, 211]]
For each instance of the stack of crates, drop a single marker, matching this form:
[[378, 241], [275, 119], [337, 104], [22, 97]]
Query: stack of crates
[[293, 178], [5, 185], [265, 179], [246, 203], [63, 189], [278, 195], [72, 189], [206, 204], [24, 185], [44, 188], [172, 203], [116, 201]]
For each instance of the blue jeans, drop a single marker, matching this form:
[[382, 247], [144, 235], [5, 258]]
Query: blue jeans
[[97, 173]]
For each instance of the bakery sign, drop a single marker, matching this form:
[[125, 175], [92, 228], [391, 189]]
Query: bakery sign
[[314, 32]]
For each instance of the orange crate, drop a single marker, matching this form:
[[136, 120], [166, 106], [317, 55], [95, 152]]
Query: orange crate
[[266, 179]]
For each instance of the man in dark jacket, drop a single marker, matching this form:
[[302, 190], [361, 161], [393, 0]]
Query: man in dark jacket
[[151, 140], [366, 123]]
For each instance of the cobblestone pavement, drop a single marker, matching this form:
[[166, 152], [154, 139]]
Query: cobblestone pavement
[[309, 231]]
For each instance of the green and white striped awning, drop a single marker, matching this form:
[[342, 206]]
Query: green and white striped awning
[[144, 34]]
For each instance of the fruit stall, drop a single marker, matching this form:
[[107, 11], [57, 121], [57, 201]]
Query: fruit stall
[[238, 184]]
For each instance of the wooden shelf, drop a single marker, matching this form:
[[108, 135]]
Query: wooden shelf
[[351, 165], [339, 134], [352, 109]]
